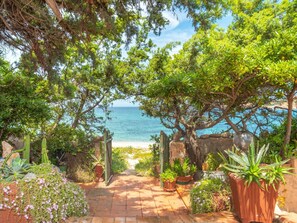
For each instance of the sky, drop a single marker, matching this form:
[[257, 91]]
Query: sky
[[179, 29]]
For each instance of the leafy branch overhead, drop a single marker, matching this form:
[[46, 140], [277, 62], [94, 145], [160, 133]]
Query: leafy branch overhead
[[44, 28]]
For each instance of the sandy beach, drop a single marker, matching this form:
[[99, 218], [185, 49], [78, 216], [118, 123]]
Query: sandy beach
[[140, 145]]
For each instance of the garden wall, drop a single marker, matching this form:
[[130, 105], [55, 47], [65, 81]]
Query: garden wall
[[215, 143], [207, 143]]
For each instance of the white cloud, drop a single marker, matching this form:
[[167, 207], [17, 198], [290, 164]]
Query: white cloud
[[173, 20]]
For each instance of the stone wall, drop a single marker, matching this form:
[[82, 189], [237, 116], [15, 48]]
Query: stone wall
[[207, 143], [214, 143]]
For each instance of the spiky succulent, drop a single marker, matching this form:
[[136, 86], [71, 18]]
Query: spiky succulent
[[249, 167]]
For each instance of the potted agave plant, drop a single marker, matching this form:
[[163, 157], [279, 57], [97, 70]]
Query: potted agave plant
[[98, 165], [169, 179], [254, 185], [185, 170], [8, 187]]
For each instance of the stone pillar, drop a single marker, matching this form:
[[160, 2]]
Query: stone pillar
[[177, 151]]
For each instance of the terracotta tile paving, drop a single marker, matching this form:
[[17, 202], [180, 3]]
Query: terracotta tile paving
[[134, 199]]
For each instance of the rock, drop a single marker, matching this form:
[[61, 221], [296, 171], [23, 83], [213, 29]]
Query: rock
[[177, 151], [7, 149], [30, 176], [18, 143]]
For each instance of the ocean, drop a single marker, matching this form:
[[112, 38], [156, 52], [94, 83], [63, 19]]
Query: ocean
[[129, 124]]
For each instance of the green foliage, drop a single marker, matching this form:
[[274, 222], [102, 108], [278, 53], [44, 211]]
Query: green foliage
[[98, 161], [115, 20], [26, 152], [119, 161], [247, 166], [22, 108], [17, 170], [212, 161], [155, 147], [65, 140], [210, 195], [168, 175], [275, 138], [145, 167], [44, 157], [220, 74], [184, 168]]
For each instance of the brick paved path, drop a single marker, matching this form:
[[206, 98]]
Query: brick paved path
[[134, 199], [131, 195]]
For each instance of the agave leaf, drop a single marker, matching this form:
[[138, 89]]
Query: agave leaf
[[231, 169], [251, 154], [245, 158], [237, 158], [235, 166], [262, 153]]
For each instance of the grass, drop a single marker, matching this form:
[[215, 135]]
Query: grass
[[135, 152], [119, 161], [144, 156]]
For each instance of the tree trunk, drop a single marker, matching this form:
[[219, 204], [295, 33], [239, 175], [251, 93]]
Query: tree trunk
[[80, 109], [290, 100], [193, 149]]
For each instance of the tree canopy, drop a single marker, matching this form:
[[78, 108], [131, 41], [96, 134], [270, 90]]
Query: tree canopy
[[43, 28], [219, 73]]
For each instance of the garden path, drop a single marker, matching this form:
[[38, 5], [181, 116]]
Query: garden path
[[130, 198]]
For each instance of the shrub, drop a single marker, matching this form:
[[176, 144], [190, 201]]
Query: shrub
[[119, 162], [168, 175], [275, 139], [46, 196], [145, 167], [184, 168], [210, 195], [212, 162]]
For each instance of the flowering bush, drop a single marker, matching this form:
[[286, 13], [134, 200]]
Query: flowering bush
[[46, 196], [210, 195]]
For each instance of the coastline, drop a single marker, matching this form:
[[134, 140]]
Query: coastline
[[138, 145]]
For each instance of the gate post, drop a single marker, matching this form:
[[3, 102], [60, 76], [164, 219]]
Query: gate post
[[164, 152], [107, 156]]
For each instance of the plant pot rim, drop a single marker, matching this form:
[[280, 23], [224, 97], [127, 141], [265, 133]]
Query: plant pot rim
[[169, 180]]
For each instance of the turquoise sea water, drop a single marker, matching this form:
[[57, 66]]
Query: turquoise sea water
[[128, 124]]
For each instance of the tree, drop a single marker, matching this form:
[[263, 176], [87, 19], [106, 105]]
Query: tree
[[88, 83], [220, 74], [272, 29], [42, 29], [22, 108], [210, 79]]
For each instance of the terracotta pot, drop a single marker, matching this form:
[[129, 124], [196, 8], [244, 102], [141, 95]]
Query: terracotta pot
[[8, 215], [98, 172], [251, 203], [184, 179], [169, 186]]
